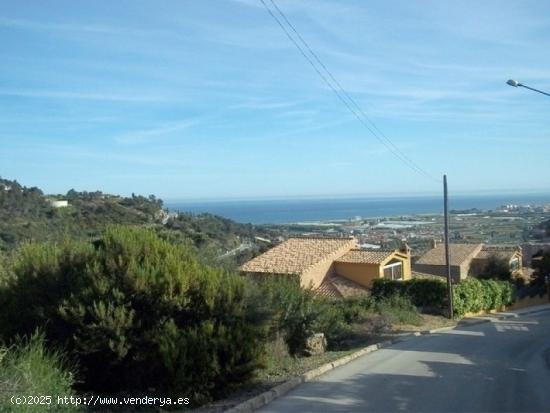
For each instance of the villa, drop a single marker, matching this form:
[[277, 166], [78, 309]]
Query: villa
[[467, 260], [333, 267]]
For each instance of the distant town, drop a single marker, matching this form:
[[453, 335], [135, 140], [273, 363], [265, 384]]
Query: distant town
[[507, 224]]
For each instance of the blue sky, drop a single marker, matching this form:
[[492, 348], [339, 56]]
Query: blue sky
[[209, 99]]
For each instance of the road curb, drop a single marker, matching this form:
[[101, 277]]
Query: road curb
[[268, 396]]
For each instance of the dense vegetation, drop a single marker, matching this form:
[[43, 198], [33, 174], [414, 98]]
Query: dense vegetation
[[214, 236], [26, 214], [473, 295], [496, 268], [427, 293], [143, 309]]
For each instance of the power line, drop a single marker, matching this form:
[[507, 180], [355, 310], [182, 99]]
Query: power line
[[341, 93]]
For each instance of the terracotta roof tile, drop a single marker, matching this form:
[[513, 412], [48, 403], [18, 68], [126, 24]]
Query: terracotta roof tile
[[500, 251], [358, 256], [423, 275], [296, 255], [458, 254], [336, 286]]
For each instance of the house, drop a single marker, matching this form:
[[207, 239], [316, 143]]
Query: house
[[58, 203], [461, 255], [510, 254], [466, 260], [333, 267]]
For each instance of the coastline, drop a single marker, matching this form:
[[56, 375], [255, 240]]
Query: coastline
[[310, 211]]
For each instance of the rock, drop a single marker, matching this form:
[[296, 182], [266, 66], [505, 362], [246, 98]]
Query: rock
[[315, 344]]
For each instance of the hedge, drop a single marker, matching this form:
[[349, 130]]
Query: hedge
[[429, 293], [473, 295]]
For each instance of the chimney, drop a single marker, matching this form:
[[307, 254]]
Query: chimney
[[405, 249]]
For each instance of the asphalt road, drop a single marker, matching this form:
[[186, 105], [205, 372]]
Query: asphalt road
[[491, 367]]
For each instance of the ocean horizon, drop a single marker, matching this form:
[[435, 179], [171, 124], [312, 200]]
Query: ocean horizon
[[283, 211]]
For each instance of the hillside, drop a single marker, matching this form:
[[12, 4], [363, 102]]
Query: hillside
[[28, 214]]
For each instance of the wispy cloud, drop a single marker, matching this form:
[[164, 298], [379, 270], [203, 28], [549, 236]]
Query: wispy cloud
[[145, 135], [80, 153], [76, 27], [49, 94], [263, 104]]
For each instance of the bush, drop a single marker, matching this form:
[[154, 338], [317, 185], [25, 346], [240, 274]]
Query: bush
[[473, 295], [5, 274], [355, 309], [28, 369], [428, 293], [299, 313], [398, 309], [496, 268], [144, 310]]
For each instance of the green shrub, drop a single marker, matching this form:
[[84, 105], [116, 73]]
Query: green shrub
[[28, 369], [382, 287], [473, 295], [398, 309], [429, 293], [298, 313], [5, 273], [355, 309], [144, 310]]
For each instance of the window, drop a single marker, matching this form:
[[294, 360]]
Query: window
[[394, 271]]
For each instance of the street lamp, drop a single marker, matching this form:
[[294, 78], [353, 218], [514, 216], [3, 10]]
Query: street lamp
[[515, 83]]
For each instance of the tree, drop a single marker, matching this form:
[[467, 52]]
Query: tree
[[496, 268]]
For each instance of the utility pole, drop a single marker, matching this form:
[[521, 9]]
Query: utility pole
[[447, 256]]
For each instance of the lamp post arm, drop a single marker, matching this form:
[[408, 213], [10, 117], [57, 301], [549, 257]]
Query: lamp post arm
[[532, 88]]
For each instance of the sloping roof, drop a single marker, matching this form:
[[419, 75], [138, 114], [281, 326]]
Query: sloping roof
[[499, 251], [336, 286], [459, 253], [296, 255], [358, 256], [426, 276]]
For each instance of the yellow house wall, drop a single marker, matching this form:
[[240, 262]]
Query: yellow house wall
[[313, 277], [362, 274], [404, 258]]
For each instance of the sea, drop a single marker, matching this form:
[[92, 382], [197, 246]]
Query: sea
[[283, 211]]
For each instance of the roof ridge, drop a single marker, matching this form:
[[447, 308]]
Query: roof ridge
[[375, 249]]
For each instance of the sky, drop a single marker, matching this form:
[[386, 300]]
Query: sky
[[211, 100]]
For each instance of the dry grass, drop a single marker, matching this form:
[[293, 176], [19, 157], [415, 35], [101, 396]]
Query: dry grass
[[428, 322]]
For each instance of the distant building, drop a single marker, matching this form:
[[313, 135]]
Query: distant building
[[510, 254], [466, 260], [333, 267], [54, 203]]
